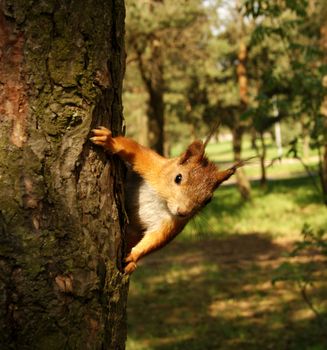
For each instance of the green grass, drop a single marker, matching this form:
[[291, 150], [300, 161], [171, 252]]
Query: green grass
[[222, 151], [279, 210], [211, 288]]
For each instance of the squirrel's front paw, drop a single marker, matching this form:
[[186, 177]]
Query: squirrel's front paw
[[102, 137], [130, 267], [130, 264]]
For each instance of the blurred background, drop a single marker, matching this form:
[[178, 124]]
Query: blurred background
[[250, 271]]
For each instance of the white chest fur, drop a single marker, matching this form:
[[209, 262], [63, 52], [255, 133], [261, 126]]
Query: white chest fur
[[152, 209], [145, 208]]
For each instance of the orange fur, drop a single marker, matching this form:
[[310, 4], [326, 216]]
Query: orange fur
[[151, 242], [158, 204], [140, 157]]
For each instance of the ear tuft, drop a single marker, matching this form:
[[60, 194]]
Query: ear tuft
[[195, 150], [226, 174]]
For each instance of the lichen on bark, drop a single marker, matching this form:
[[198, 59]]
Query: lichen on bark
[[61, 216]]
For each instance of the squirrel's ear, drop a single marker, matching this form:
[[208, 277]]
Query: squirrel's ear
[[226, 174], [195, 150]]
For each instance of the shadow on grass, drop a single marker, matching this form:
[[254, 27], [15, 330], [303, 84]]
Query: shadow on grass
[[216, 294], [224, 150], [302, 187]]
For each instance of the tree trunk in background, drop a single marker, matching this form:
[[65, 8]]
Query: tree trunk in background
[[323, 176], [143, 133], [263, 155], [61, 71], [152, 76], [241, 75], [242, 181], [305, 133], [156, 120]]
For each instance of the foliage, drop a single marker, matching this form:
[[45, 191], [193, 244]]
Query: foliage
[[197, 53], [285, 65], [300, 92], [302, 275], [165, 41]]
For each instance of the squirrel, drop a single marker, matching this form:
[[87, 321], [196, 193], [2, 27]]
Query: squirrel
[[162, 194]]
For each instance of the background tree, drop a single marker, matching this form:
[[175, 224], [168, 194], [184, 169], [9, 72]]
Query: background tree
[[322, 10], [189, 73], [240, 67], [228, 85], [300, 27], [61, 72], [162, 38], [238, 34]]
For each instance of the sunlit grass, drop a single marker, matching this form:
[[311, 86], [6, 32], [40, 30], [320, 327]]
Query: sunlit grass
[[213, 300], [279, 210], [222, 151]]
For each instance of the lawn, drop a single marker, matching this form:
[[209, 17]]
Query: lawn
[[278, 210], [211, 288]]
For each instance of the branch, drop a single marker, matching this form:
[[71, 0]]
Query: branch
[[320, 318]]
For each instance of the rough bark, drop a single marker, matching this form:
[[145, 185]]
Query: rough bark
[[61, 70]]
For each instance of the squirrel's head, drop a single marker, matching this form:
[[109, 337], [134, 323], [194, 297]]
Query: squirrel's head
[[191, 179]]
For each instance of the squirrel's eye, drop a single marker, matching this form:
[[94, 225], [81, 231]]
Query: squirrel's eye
[[178, 179]]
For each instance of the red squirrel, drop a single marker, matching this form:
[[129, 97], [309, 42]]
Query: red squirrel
[[162, 194]]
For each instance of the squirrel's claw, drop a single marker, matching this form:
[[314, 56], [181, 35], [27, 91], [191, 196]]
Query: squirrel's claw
[[130, 264], [129, 258], [130, 267], [101, 131], [101, 137]]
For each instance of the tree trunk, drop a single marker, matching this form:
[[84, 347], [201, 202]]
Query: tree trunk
[[263, 178], [242, 181], [253, 135], [324, 172], [156, 120], [143, 132], [323, 175], [306, 144], [242, 76], [61, 71], [152, 76]]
